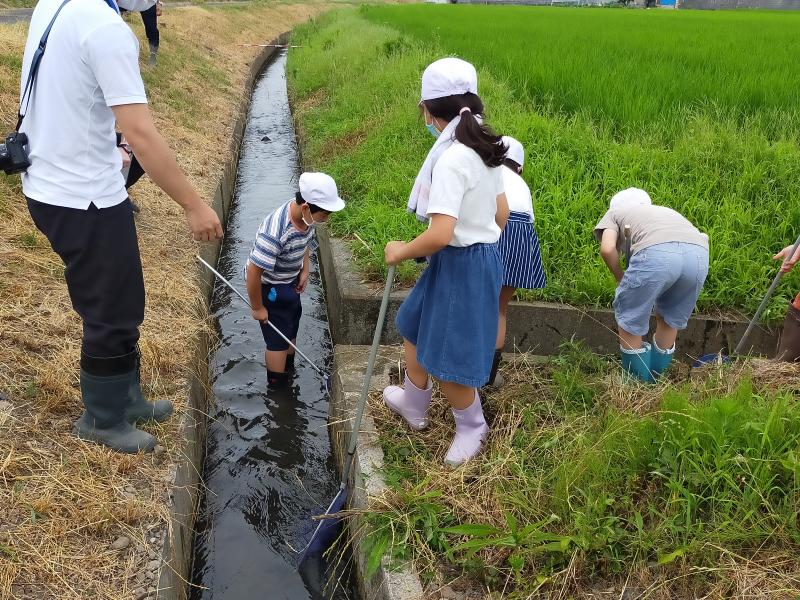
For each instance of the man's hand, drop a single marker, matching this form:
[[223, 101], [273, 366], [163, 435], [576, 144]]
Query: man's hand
[[204, 223], [260, 314], [302, 281], [393, 253], [788, 261]]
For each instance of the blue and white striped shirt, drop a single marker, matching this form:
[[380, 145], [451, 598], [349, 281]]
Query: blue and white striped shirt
[[280, 247]]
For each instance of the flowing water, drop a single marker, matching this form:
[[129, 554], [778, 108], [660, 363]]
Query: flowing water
[[268, 466]]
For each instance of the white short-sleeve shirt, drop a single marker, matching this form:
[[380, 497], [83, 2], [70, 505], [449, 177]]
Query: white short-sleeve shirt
[[465, 188], [518, 193], [91, 64]]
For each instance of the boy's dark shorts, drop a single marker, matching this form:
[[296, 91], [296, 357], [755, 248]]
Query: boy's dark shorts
[[284, 312]]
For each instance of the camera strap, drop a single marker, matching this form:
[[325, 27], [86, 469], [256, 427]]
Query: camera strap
[[37, 59]]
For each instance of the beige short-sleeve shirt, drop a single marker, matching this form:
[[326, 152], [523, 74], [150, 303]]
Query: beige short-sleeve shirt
[[650, 225]]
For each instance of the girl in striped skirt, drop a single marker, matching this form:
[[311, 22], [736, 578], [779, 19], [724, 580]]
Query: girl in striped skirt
[[519, 246]]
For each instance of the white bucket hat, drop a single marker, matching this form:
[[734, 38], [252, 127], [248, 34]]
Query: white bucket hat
[[320, 190], [515, 150], [630, 197], [449, 77]]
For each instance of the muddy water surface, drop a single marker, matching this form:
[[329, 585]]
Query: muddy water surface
[[268, 466]]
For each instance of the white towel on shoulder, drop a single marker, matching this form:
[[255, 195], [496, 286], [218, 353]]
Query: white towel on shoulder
[[420, 193]]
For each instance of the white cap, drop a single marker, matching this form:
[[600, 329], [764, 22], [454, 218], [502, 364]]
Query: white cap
[[630, 197], [515, 150], [320, 190], [449, 77]]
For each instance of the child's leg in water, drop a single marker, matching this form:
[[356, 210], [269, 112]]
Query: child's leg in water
[[290, 357], [411, 401], [276, 366]]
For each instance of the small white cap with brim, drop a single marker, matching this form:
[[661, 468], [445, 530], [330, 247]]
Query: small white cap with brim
[[630, 197], [515, 150], [320, 190], [449, 77]]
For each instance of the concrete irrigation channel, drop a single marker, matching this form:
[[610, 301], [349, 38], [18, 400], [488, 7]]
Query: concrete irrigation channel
[[268, 466]]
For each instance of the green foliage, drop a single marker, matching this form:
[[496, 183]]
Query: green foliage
[[705, 472], [601, 99]]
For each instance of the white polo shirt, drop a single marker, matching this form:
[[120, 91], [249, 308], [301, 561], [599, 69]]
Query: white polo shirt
[[518, 193], [465, 188], [91, 63]]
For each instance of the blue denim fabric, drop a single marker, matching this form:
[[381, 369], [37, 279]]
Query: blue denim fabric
[[667, 277], [451, 314]]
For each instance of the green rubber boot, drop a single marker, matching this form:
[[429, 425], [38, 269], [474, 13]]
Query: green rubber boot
[[106, 399], [140, 410], [637, 362], [660, 359]]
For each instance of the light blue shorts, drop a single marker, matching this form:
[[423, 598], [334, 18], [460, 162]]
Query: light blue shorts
[[667, 277]]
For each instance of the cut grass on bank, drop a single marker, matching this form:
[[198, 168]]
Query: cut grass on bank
[[726, 155], [63, 502], [589, 486]]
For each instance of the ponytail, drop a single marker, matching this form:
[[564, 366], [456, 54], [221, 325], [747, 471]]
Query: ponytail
[[470, 131]]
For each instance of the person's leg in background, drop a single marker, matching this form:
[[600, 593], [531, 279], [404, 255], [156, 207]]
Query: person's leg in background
[[103, 272], [506, 295], [150, 20]]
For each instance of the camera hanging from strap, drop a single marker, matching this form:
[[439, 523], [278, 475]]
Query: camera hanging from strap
[[35, 62]]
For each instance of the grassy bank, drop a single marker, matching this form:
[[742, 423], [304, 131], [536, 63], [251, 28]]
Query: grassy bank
[[592, 489], [682, 106], [64, 502]]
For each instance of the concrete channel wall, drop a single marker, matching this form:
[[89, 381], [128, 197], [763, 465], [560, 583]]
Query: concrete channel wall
[[390, 582], [186, 484], [536, 327]]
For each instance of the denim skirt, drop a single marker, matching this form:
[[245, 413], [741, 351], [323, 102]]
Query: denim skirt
[[451, 314]]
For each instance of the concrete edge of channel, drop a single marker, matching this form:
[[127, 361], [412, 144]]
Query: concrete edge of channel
[[366, 481], [186, 484], [536, 327]]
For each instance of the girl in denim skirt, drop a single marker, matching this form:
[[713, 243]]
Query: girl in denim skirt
[[666, 272], [518, 245], [449, 320]]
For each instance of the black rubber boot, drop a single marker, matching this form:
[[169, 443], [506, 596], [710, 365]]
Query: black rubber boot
[[141, 410], [106, 397], [495, 379], [277, 379], [789, 347], [289, 363]]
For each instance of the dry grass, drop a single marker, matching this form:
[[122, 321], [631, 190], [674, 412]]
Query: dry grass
[[484, 490], [63, 502]]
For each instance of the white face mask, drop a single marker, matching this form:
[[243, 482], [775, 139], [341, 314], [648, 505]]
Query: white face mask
[[313, 222]]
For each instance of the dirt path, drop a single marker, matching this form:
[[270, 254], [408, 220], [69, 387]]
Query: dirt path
[[78, 521]]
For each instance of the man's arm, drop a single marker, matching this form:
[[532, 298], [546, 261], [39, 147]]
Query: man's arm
[[159, 163]]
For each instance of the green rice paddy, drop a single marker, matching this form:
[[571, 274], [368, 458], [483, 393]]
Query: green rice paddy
[[699, 108]]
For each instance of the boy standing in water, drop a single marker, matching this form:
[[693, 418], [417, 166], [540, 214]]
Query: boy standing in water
[[278, 267], [666, 272]]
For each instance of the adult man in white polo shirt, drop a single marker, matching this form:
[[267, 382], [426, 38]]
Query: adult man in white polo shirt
[[89, 80]]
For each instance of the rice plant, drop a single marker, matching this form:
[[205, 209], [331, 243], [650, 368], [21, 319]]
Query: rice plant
[[698, 108]]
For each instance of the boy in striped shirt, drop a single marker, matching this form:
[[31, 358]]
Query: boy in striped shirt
[[278, 267]]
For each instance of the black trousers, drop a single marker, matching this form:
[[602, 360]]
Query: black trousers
[[103, 270], [150, 21]]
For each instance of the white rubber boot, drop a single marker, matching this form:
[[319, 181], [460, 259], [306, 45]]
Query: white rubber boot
[[410, 403], [471, 431]]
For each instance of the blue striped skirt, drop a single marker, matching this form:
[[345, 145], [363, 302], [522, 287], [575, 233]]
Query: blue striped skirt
[[519, 250]]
